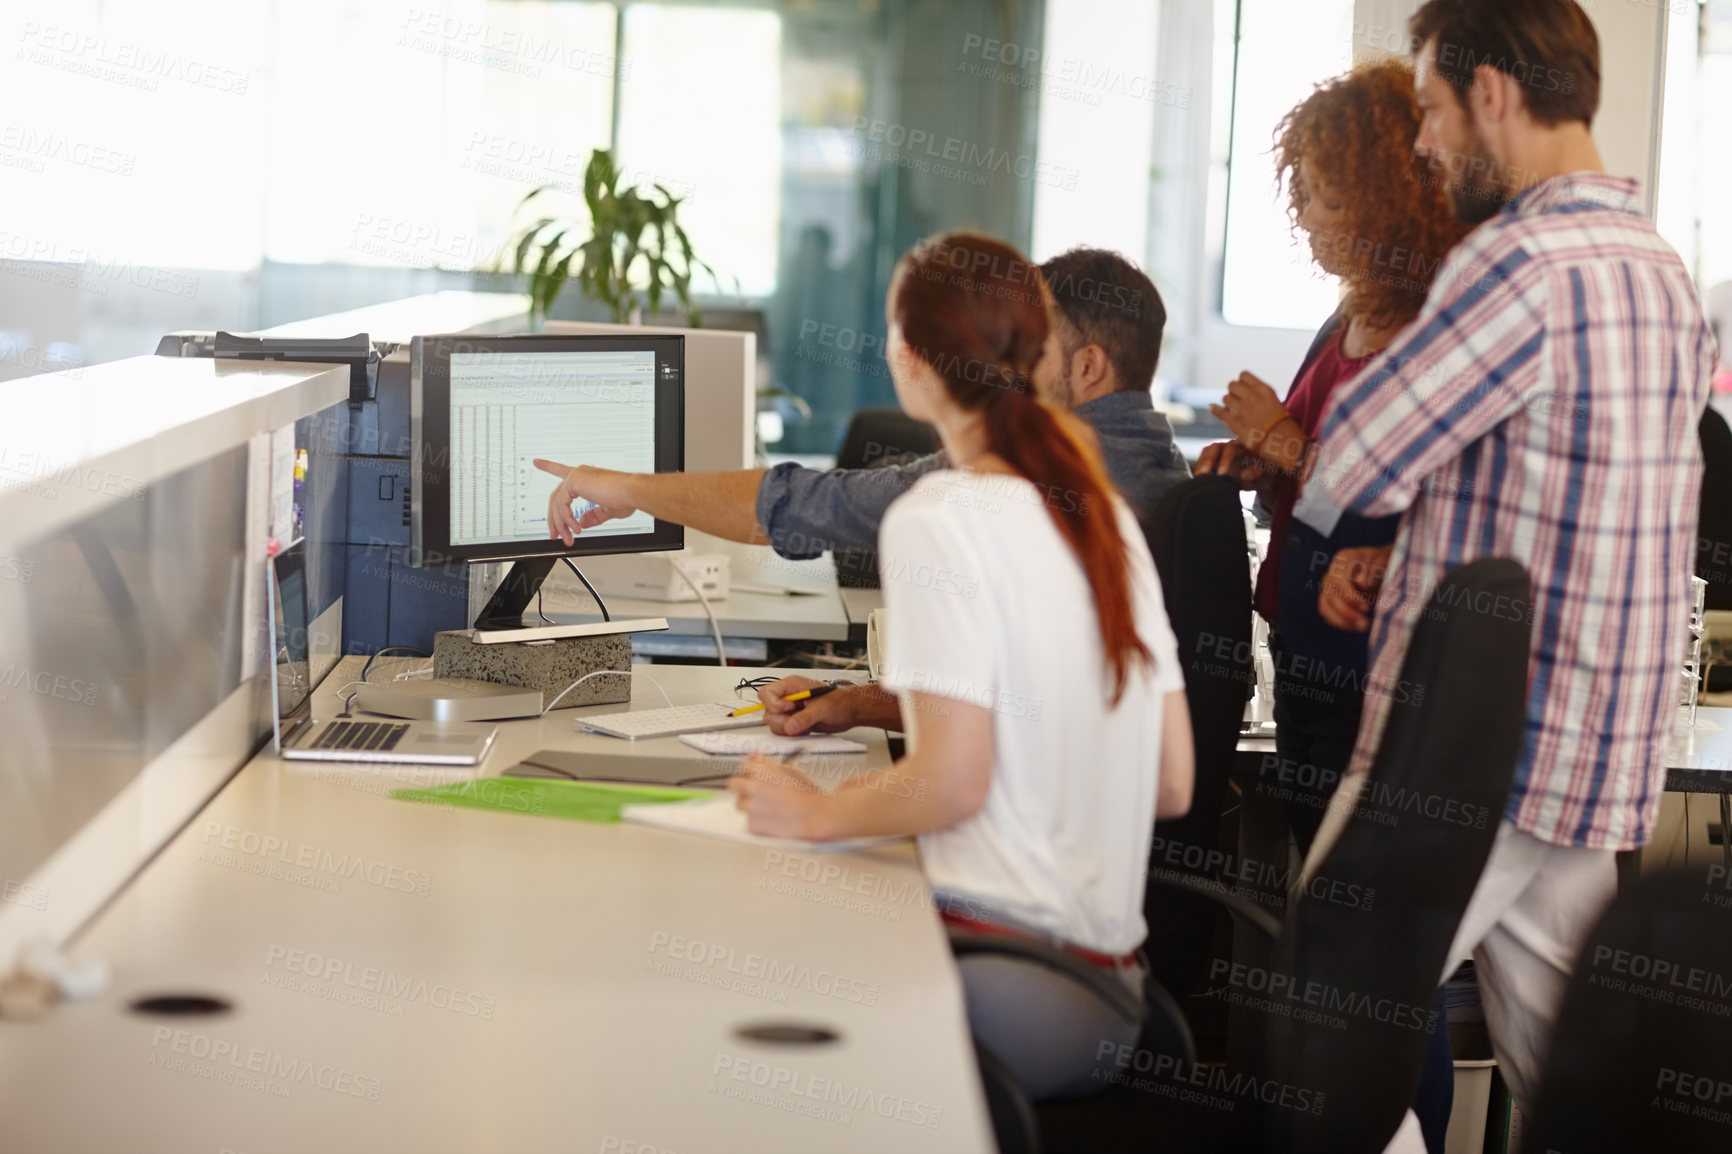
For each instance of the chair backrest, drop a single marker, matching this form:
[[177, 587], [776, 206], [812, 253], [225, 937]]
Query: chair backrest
[[1640, 1058], [875, 438], [1714, 526], [1197, 537], [1398, 857]]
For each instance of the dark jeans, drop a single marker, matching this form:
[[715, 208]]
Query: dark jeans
[[1315, 728], [1316, 725]]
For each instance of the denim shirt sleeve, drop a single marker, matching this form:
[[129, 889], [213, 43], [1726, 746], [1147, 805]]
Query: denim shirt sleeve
[[807, 512]]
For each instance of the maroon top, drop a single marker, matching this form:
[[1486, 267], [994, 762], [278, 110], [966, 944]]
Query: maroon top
[[1309, 397]]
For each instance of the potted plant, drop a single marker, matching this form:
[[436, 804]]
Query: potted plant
[[636, 252]]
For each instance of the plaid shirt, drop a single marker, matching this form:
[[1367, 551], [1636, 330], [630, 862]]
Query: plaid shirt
[[1543, 406]]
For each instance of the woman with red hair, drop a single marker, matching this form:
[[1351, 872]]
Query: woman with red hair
[[1376, 216], [1036, 671]]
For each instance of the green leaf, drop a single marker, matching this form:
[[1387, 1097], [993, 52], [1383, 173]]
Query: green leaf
[[528, 239], [636, 250]]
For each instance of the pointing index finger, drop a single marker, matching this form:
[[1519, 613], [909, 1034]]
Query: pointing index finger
[[553, 467]]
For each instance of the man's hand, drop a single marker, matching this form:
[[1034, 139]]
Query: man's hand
[[841, 709], [1231, 459], [603, 490], [778, 800], [1350, 587]]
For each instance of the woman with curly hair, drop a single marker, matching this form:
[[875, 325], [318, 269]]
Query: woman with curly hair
[[1377, 217]]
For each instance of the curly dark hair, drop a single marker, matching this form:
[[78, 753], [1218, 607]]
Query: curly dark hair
[[1357, 131]]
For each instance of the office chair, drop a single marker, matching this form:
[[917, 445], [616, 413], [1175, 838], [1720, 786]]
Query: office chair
[[1196, 535], [1714, 545], [1639, 1058], [1368, 927], [1414, 833], [875, 438]]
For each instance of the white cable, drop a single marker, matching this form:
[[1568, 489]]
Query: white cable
[[350, 698], [602, 672], [715, 626]]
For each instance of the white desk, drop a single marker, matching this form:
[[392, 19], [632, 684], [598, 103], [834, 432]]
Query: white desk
[[568, 1032], [859, 604], [765, 616], [743, 617]]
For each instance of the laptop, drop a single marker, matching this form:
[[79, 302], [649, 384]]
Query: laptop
[[298, 737]]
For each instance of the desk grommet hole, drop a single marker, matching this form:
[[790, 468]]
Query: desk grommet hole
[[788, 1034], [181, 1005]]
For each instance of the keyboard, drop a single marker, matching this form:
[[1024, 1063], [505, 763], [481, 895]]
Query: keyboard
[[358, 735], [710, 715]]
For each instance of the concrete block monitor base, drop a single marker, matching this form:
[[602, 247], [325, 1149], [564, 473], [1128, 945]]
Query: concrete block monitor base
[[549, 666]]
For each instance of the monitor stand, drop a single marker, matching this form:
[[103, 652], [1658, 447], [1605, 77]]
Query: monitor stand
[[501, 620], [505, 609]]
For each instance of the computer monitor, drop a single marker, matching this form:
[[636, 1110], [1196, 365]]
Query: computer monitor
[[721, 390], [482, 408]]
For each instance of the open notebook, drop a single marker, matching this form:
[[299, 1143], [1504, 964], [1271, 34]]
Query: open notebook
[[719, 817], [739, 744]]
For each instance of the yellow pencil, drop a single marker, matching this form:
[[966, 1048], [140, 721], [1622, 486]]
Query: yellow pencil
[[800, 696]]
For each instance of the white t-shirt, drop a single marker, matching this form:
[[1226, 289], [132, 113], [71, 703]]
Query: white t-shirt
[[988, 604]]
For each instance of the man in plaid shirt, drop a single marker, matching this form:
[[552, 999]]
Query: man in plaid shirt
[[1543, 406]]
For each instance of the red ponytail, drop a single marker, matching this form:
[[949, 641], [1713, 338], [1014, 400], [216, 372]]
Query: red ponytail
[[974, 309]]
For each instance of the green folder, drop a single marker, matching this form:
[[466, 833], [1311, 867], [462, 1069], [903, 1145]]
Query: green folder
[[572, 800]]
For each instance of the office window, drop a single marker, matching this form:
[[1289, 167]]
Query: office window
[[1712, 157], [464, 106], [1098, 95], [1284, 51], [129, 144], [700, 112]]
